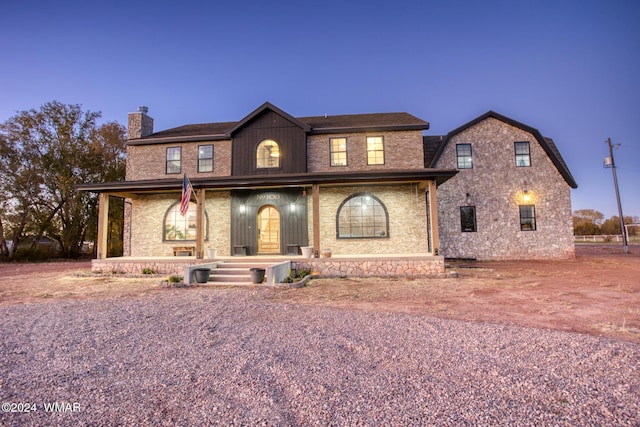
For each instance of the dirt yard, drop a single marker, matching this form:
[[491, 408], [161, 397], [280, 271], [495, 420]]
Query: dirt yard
[[597, 293]]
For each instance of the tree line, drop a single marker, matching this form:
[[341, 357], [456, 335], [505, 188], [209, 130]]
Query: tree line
[[588, 222], [44, 155]]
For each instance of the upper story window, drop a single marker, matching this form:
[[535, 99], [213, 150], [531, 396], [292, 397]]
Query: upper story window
[[527, 217], [523, 154], [362, 215], [464, 157], [338, 151], [268, 154], [468, 219], [174, 159], [205, 158], [375, 150]]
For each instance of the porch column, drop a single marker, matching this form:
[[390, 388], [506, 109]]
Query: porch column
[[200, 224], [103, 225], [315, 190], [433, 215]]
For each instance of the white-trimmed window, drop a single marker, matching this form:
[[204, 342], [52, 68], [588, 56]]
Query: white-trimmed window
[[523, 154], [268, 154], [177, 227], [338, 151], [464, 156], [375, 150], [205, 158], [527, 217], [174, 159]]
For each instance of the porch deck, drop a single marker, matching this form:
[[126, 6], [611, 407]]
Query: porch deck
[[366, 265]]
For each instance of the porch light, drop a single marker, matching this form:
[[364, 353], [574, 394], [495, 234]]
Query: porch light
[[526, 197], [243, 209], [468, 199], [292, 208]]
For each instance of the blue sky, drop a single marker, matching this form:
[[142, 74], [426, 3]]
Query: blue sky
[[570, 68]]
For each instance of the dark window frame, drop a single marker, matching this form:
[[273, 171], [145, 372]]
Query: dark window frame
[[172, 162], [200, 159], [174, 210], [353, 224], [527, 218], [468, 222], [375, 151], [464, 160], [332, 161], [522, 159]]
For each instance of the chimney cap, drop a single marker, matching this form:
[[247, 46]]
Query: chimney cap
[[143, 109]]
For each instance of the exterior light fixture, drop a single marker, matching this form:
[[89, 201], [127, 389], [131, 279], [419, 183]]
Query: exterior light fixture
[[468, 199], [526, 197], [243, 209]]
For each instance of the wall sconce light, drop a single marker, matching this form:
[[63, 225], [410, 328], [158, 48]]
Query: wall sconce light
[[292, 208], [243, 209], [468, 199], [526, 197]]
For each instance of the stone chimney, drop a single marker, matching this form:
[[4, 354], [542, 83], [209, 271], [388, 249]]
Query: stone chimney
[[140, 124]]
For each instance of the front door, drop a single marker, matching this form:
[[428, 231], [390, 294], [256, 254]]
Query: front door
[[268, 230]]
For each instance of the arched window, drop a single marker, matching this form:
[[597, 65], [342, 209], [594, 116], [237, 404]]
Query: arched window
[[362, 215], [178, 227], [268, 154]]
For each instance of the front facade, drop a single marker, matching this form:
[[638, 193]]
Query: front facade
[[366, 184]]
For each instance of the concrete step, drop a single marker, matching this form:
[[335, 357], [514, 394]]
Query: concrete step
[[231, 278], [230, 271]]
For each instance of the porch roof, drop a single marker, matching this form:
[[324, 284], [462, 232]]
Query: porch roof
[[266, 181]]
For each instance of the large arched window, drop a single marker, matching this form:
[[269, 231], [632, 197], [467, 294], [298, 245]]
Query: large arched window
[[178, 227], [362, 215], [268, 154]]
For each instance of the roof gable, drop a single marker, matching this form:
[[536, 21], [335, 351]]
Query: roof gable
[[547, 144], [259, 111]]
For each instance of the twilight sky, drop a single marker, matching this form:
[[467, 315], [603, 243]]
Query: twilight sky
[[570, 68]]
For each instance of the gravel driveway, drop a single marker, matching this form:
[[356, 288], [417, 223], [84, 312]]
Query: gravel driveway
[[204, 356]]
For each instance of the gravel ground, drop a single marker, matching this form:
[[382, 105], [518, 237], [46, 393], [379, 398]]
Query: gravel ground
[[208, 356]]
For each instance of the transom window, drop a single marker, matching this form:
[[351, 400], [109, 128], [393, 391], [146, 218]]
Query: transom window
[[464, 156], [205, 158], [174, 157], [375, 150], [362, 215], [178, 227], [268, 154], [523, 154], [338, 149], [527, 217], [468, 219]]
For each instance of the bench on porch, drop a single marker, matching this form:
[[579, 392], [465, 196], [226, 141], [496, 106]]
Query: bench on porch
[[184, 250], [240, 250]]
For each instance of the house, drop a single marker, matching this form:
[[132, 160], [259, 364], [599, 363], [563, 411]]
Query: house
[[511, 196], [361, 184]]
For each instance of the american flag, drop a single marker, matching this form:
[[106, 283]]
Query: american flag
[[186, 195]]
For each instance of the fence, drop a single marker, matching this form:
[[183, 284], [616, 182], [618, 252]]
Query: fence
[[605, 238]]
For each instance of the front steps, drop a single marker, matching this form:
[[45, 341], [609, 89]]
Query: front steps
[[236, 272]]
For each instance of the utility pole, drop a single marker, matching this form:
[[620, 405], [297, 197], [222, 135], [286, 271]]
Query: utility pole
[[612, 164]]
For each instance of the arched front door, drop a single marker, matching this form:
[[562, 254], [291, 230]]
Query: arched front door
[[268, 230]]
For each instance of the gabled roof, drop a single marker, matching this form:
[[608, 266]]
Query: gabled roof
[[314, 124], [264, 107], [546, 143]]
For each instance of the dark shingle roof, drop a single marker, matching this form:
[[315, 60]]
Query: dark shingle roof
[[546, 143], [431, 145], [314, 124]]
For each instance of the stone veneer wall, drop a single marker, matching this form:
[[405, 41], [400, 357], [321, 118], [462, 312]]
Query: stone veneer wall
[[496, 187], [150, 161], [387, 267], [402, 150], [406, 206], [147, 224]]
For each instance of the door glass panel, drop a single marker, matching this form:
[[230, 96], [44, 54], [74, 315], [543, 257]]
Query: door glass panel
[[269, 230]]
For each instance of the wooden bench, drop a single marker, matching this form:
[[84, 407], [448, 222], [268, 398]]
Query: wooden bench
[[293, 249], [184, 250], [239, 250]]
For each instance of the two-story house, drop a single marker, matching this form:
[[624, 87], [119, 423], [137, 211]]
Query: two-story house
[[362, 184], [271, 184]]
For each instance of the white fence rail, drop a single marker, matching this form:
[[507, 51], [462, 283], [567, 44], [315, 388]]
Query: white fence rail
[[605, 238]]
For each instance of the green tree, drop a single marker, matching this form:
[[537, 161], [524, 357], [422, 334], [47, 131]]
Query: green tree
[[44, 155], [587, 222]]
